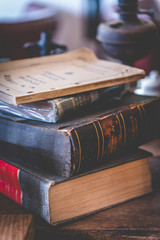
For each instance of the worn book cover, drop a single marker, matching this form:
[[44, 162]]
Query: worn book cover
[[77, 145], [59, 199], [30, 80], [63, 108]]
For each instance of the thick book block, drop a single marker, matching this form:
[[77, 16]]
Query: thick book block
[[76, 146], [59, 199], [30, 80]]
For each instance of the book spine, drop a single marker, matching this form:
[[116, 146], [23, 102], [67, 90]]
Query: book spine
[[65, 107], [69, 151], [25, 189], [58, 109], [111, 135]]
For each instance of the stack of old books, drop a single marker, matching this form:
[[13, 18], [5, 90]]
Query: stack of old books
[[76, 153]]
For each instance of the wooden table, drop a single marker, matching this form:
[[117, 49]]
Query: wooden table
[[135, 219]]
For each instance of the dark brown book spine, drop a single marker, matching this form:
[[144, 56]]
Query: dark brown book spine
[[79, 145], [67, 107], [109, 136]]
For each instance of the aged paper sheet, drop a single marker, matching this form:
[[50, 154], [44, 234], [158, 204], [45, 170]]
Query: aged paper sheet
[[54, 76]]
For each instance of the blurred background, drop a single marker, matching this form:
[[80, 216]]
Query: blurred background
[[31, 28]]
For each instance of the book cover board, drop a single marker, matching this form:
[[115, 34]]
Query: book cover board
[[59, 199], [75, 146], [30, 80]]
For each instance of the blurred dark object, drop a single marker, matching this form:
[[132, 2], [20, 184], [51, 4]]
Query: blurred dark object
[[30, 33], [44, 46], [93, 17], [129, 38]]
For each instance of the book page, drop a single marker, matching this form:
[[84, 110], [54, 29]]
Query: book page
[[59, 75]]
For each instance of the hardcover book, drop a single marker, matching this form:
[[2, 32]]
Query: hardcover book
[[30, 80], [60, 109], [59, 199], [88, 141]]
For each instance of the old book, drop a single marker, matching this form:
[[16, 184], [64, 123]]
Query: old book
[[30, 80], [75, 146], [59, 199], [60, 109]]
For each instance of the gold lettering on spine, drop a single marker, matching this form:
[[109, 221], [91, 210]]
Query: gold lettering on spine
[[73, 103], [134, 128], [141, 114], [80, 152], [79, 101], [124, 126], [120, 127], [144, 112], [102, 137], [60, 110], [144, 117], [97, 140]]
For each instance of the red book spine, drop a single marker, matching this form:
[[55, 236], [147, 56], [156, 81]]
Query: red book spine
[[9, 182], [25, 188]]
